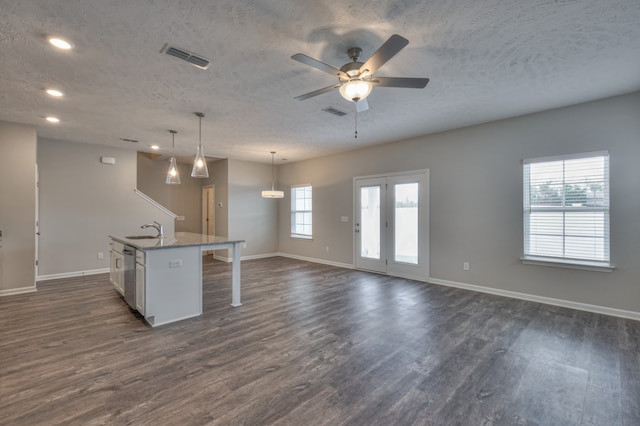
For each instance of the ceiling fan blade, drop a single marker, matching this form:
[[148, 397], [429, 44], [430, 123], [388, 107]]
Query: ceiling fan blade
[[411, 83], [387, 51], [362, 105], [317, 92], [308, 60]]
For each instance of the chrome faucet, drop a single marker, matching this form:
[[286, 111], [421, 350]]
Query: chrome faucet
[[157, 226]]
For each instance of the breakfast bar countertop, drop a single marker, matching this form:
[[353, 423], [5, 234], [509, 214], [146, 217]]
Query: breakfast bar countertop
[[178, 239]]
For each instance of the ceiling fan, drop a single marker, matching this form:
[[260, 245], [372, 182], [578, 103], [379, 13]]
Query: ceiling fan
[[356, 78]]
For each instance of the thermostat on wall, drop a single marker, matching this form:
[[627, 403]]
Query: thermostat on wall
[[107, 160]]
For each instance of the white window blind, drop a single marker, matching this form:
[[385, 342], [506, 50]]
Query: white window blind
[[566, 208], [301, 212]]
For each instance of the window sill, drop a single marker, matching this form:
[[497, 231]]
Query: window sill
[[302, 237], [571, 264]]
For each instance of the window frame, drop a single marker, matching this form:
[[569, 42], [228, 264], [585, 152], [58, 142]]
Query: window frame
[[295, 231], [565, 261]]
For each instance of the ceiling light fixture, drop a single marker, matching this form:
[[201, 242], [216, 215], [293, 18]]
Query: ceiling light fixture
[[200, 169], [155, 147], [355, 89], [60, 43], [273, 193], [173, 175], [55, 93], [53, 119]]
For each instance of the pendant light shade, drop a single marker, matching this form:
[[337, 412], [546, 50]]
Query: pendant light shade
[[273, 193], [200, 169], [173, 175]]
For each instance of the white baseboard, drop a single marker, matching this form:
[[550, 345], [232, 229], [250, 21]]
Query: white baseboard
[[21, 290], [315, 260], [291, 256], [541, 299], [254, 256], [258, 256], [222, 258], [72, 274]]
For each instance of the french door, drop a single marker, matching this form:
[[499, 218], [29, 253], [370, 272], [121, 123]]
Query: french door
[[392, 224]]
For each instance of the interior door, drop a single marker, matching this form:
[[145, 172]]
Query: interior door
[[392, 224], [208, 212], [37, 236]]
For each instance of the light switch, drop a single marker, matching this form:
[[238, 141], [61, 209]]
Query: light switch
[[344, 218], [175, 263]]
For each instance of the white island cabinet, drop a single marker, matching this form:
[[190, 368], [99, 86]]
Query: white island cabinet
[[140, 282], [116, 271], [168, 284]]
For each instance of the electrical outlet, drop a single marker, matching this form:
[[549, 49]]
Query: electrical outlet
[[465, 266], [327, 248], [175, 263], [344, 218], [100, 255]]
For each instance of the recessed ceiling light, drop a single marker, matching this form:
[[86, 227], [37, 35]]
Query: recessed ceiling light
[[55, 93], [155, 147], [53, 119], [60, 43]]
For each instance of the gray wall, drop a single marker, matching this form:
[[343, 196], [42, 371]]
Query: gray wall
[[184, 199], [476, 199], [83, 201], [17, 207], [252, 217]]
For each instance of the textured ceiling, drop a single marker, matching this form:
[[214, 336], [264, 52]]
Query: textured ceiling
[[487, 60]]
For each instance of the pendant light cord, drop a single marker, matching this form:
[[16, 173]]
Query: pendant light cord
[[200, 131], [273, 171]]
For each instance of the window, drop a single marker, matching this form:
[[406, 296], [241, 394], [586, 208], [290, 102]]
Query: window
[[566, 209], [301, 223]]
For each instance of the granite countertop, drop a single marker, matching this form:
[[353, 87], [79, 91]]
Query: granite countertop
[[178, 239]]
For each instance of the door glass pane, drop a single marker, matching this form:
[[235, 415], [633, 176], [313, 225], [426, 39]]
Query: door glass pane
[[370, 222], [406, 223]]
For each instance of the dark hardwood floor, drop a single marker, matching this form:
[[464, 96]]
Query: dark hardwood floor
[[313, 345]]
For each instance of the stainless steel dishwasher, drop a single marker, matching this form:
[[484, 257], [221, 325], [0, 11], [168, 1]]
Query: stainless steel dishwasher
[[129, 253]]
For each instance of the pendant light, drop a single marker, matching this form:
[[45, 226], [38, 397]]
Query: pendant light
[[273, 193], [200, 169], [173, 175]]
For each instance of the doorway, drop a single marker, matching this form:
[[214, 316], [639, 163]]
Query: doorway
[[208, 212], [391, 234]]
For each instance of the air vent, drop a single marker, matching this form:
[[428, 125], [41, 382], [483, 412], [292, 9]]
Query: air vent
[[185, 55], [128, 140], [334, 111]]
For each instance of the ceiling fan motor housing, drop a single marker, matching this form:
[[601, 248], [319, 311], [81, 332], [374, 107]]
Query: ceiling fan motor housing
[[352, 69]]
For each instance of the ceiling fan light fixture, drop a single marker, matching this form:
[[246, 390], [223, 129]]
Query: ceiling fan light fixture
[[356, 90], [200, 169]]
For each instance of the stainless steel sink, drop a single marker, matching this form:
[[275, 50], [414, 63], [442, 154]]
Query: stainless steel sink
[[141, 237]]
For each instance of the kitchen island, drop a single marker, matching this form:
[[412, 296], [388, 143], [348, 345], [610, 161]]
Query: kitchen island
[[167, 273]]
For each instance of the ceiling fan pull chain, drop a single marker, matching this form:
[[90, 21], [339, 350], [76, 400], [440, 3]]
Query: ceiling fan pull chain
[[356, 107]]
